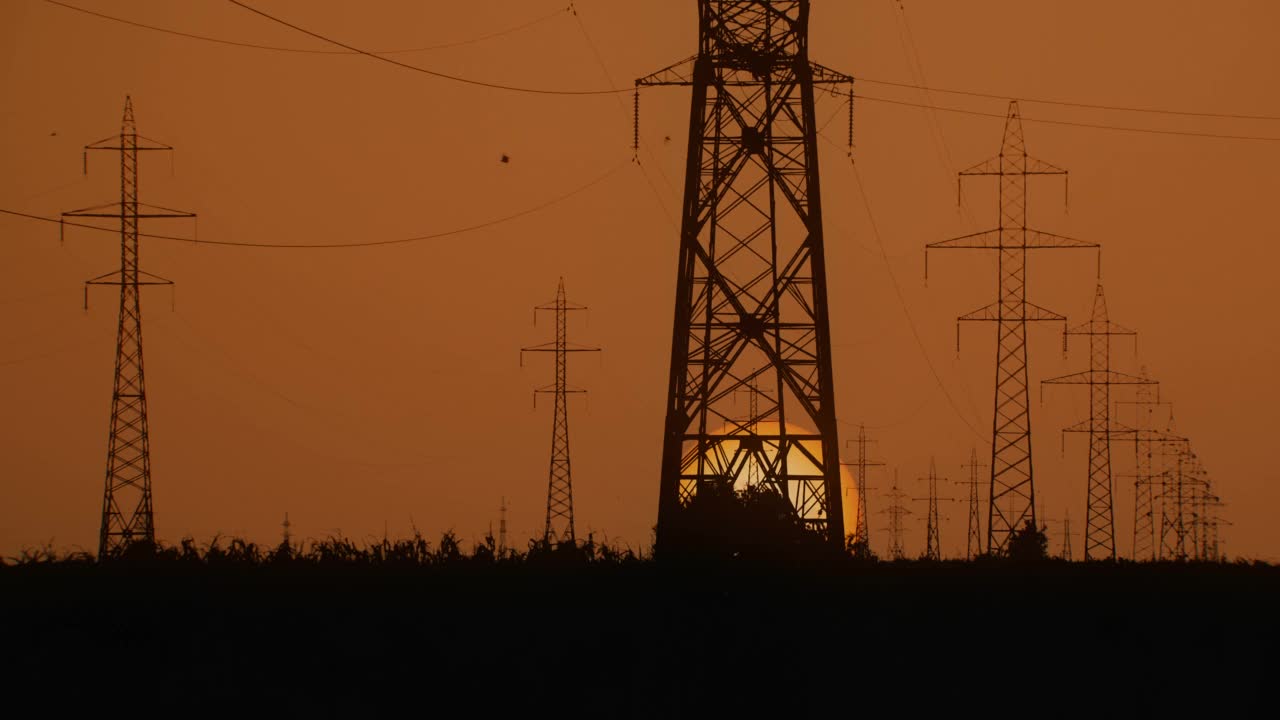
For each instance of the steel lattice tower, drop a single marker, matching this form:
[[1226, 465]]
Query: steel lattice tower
[[1100, 527], [1147, 478], [896, 512], [751, 290], [973, 544], [932, 542], [861, 531], [1176, 500], [559, 527], [1066, 537], [127, 508], [1012, 498]]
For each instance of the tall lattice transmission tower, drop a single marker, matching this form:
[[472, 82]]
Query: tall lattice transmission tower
[[751, 286], [932, 529], [127, 507], [1012, 498], [1066, 536], [1100, 526], [861, 531], [1147, 476], [973, 542], [559, 525], [897, 511]]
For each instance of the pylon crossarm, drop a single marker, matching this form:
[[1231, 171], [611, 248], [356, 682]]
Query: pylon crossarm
[[823, 75], [1029, 312], [1036, 166], [990, 166], [676, 74], [95, 208], [155, 145], [1038, 239], [984, 240]]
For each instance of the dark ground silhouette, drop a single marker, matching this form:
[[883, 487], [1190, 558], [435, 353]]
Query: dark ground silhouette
[[722, 628]]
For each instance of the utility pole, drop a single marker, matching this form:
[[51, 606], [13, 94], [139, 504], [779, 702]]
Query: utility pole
[[896, 511], [1012, 501], [751, 285], [559, 526], [973, 544], [861, 533], [1100, 526], [127, 508]]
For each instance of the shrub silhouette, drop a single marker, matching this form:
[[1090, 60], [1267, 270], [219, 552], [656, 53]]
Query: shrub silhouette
[[1028, 544], [720, 523]]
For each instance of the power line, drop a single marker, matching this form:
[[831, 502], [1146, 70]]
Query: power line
[[425, 71], [276, 48], [373, 243], [1072, 123], [915, 332], [379, 55], [1067, 103]]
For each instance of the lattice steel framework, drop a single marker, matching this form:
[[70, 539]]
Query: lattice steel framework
[[1147, 477], [897, 510], [559, 526], [973, 543], [861, 531], [932, 541], [1066, 537], [127, 508], [1012, 498], [1100, 526], [751, 291]]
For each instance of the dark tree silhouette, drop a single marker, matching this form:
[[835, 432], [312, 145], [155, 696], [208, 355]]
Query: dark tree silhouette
[[1028, 544]]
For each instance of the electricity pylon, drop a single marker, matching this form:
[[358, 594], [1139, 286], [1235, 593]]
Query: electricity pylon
[[1066, 536], [1100, 526], [973, 544], [1147, 478], [1179, 470], [861, 533], [559, 527], [896, 511], [1012, 499], [932, 542], [751, 286], [127, 507]]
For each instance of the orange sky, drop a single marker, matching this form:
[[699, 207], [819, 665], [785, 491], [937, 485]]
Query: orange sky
[[358, 389]]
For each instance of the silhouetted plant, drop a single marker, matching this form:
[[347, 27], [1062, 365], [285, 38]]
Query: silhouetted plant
[[1028, 544], [720, 523], [860, 551]]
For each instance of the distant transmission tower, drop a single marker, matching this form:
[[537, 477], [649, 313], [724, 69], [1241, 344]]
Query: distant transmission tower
[[1066, 536], [1012, 499], [285, 536], [1146, 478], [751, 288], [932, 542], [502, 527], [127, 509], [1100, 526], [861, 532], [1171, 532], [973, 545], [559, 527], [896, 511]]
